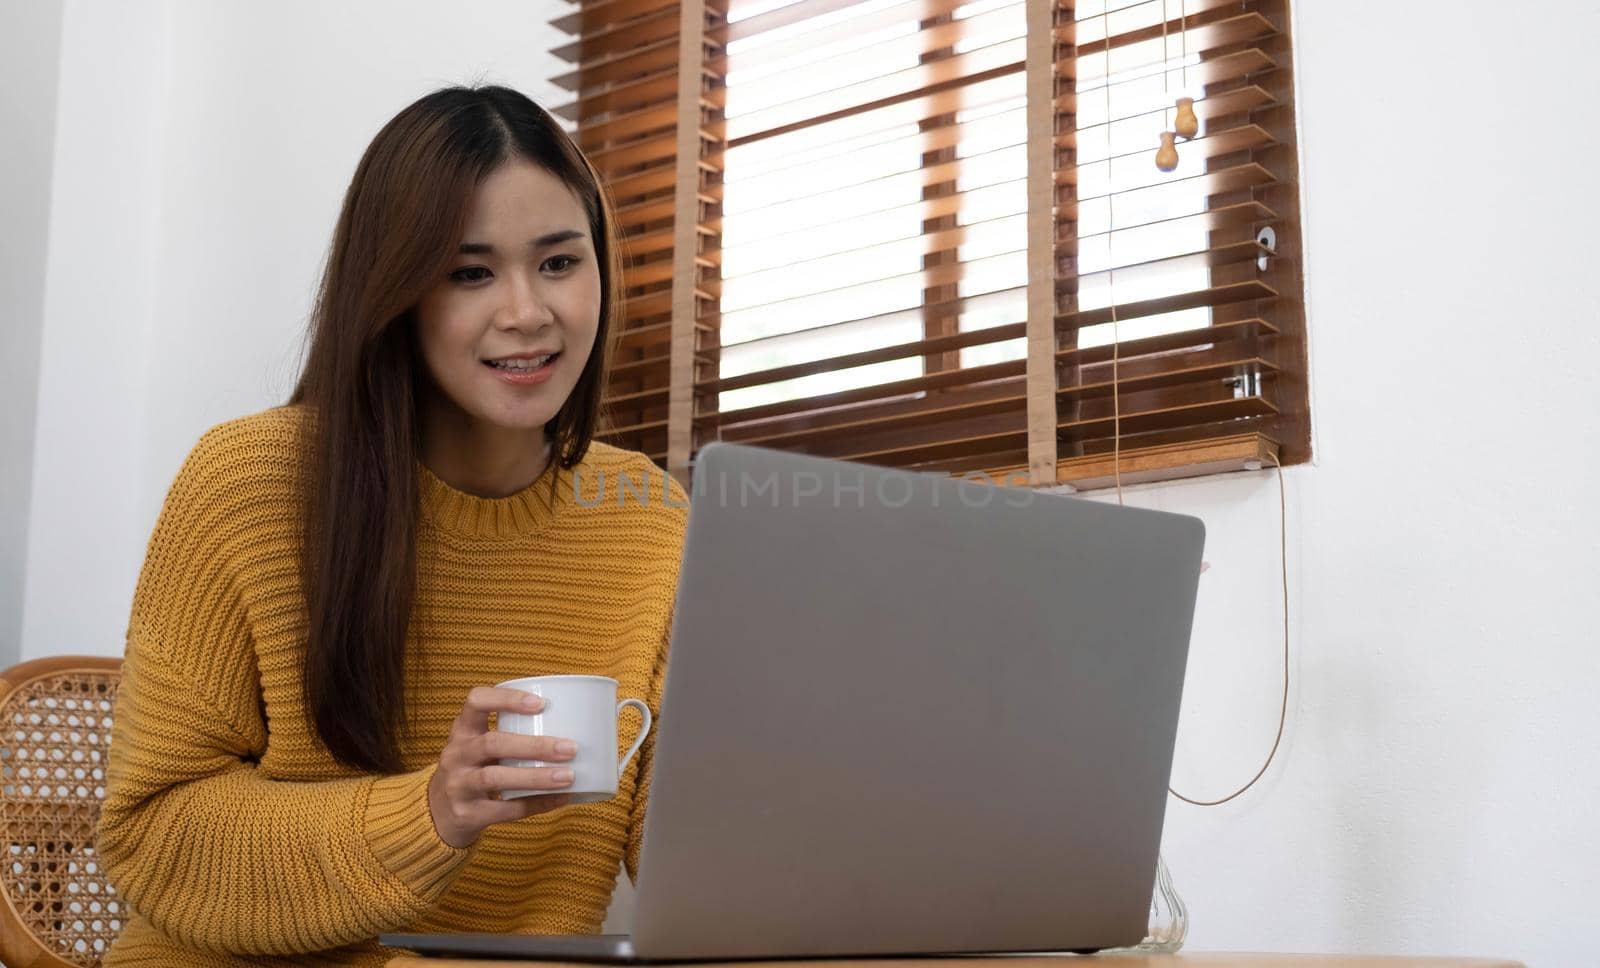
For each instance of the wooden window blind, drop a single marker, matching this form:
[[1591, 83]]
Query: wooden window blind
[[932, 233]]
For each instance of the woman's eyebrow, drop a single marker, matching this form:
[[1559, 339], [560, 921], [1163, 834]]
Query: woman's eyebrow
[[484, 248]]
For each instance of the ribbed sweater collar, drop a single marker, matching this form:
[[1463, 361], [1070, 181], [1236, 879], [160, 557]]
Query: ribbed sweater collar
[[523, 514]]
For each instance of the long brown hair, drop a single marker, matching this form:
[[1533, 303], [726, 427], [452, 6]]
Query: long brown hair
[[402, 219]]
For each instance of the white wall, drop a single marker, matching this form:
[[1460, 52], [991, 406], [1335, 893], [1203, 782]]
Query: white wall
[[86, 515], [30, 53], [1433, 788], [1436, 785]]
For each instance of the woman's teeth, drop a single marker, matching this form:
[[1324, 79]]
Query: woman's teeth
[[519, 365]]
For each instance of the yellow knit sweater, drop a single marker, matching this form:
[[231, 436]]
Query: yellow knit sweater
[[233, 837]]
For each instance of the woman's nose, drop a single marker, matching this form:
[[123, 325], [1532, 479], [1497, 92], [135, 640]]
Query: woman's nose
[[524, 305]]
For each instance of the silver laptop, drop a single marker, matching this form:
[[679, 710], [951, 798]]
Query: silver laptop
[[904, 714]]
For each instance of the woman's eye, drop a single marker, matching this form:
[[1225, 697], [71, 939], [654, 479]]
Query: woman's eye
[[467, 274], [569, 260]]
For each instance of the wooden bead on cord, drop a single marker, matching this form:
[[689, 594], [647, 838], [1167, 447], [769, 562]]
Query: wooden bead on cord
[[1186, 125], [1167, 154]]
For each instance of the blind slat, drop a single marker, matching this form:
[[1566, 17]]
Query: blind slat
[[976, 445], [1248, 175], [1241, 330], [621, 36], [993, 26], [901, 247], [641, 426], [594, 14], [776, 20], [618, 66], [945, 307], [918, 177], [652, 210], [950, 273], [1096, 25], [661, 270], [1163, 378], [629, 95], [1197, 39], [788, 43], [1206, 109], [1133, 171], [815, 216], [1164, 418], [925, 428], [644, 245], [1165, 461], [1214, 219], [780, 146], [1136, 275], [640, 152], [657, 117], [1135, 374], [637, 398], [926, 80], [1217, 70], [936, 132], [628, 368], [1170, 418], [1214, 296], [660, 302], [876, 391], [959, 407], [654, 179]]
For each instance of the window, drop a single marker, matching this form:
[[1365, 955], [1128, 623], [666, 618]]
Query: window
[[928, 233]]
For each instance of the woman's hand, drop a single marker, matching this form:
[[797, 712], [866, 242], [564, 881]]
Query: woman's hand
[[463, 794]]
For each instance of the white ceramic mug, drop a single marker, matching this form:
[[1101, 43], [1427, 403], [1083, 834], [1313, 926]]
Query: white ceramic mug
[[583, 709]]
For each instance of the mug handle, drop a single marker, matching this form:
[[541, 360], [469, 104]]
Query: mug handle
[[643, 730]]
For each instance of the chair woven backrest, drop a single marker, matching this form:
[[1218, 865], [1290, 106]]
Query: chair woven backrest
[[55, 730]]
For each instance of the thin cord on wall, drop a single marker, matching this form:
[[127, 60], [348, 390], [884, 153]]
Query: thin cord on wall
[[1111, 259], [1116, 422], [1283, 707]]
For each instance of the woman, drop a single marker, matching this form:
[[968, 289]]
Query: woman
[[301, 754]]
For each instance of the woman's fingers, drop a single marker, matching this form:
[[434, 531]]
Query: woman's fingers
[[489, 780], [474, 716], [499, 745], [463, 795]]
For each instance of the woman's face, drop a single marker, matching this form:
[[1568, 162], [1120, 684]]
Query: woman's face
[[524, 282]]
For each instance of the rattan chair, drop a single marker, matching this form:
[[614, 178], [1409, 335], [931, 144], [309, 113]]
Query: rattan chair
[[55, 729]]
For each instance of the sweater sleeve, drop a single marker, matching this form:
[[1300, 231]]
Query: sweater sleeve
[[193, 835]]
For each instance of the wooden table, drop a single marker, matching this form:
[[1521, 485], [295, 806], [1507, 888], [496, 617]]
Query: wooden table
[[1113, 960]]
